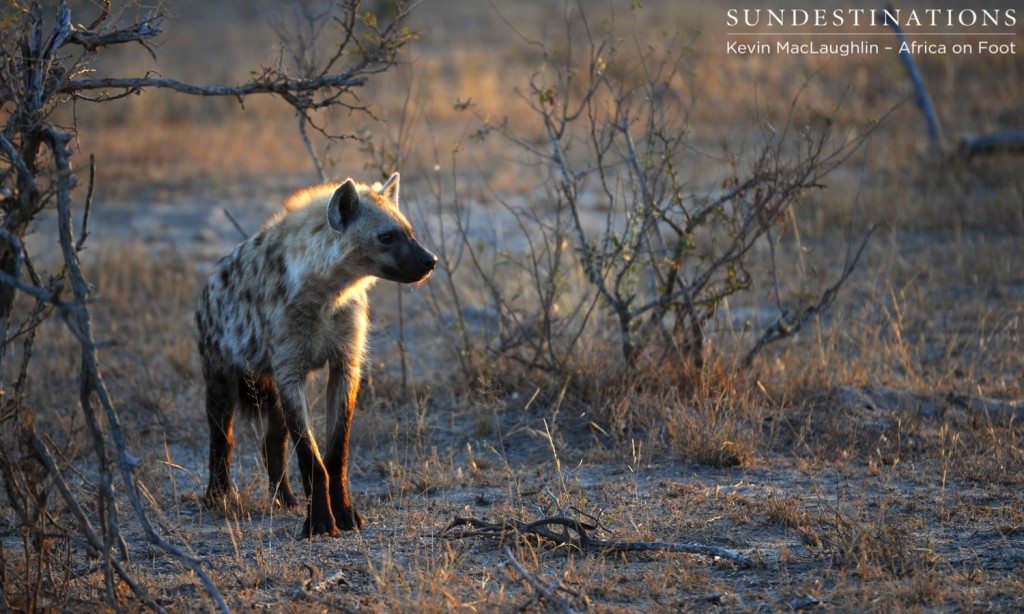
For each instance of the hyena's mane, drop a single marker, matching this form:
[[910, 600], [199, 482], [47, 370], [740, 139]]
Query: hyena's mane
[[322, 193], [307, 196]]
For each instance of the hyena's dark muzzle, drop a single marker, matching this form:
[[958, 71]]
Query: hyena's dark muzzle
[[413, 263]]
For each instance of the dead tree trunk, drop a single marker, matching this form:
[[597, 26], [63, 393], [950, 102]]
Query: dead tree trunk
[[921, 97]]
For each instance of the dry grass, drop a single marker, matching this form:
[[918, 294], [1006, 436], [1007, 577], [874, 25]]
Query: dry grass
[[842, 462]]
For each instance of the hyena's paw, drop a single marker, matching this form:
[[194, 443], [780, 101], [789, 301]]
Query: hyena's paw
[[319, 521], [348, 519], [285, 499], [222, 501], [312, 528]]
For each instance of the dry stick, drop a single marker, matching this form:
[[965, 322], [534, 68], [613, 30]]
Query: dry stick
[[310, 149], [308, 589], [103, 16], [582, 541], [1010, 142], [105, 504], [298, 92], [148, 27], [19, 165], [42, 294], [94, 544], [93, 383], [88, 197], [547, 592], [337, 577], [235, 223], [31, 328]]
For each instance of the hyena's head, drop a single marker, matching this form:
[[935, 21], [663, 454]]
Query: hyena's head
[[383, 241]]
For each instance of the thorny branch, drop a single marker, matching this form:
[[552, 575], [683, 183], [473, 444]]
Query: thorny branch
[[288, 88], [92, 385]]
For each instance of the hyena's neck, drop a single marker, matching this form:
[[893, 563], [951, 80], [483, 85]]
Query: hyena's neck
[[354, 292], [330, 280], [319, 265]]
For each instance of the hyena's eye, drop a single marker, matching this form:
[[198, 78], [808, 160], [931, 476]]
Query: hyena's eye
[[386, 238]]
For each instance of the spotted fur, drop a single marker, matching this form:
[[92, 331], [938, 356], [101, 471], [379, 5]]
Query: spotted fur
[[286, 302]]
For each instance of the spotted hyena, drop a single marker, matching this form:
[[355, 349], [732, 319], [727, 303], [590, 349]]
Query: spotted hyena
[[286, 302]]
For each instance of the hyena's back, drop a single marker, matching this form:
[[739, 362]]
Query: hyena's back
[[242, 297]]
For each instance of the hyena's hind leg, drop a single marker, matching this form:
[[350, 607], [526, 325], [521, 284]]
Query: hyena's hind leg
[[221, 397], [259, 396]]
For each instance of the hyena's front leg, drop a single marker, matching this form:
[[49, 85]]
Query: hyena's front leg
[[342, 388], [319, 519]]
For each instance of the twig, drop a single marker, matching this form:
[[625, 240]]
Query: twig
[[93, 543], [88, 198], [19, 165], [337, 577], [145, 29], [308, 589], [103, 16], [787, 325], [310, 149], [563, 531], [234, 222]]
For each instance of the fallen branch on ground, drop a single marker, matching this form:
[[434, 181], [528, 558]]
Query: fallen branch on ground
[[546, 592], [565, 531], [1008, 142]]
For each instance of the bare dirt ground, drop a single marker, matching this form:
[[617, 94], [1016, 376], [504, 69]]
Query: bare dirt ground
[[864, 495], [899, 531]]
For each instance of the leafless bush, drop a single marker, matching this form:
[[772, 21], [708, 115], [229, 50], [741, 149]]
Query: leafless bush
[[46, 63], [622, 236]]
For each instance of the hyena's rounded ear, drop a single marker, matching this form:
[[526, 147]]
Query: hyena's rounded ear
[[344, 206], [390, 188]]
